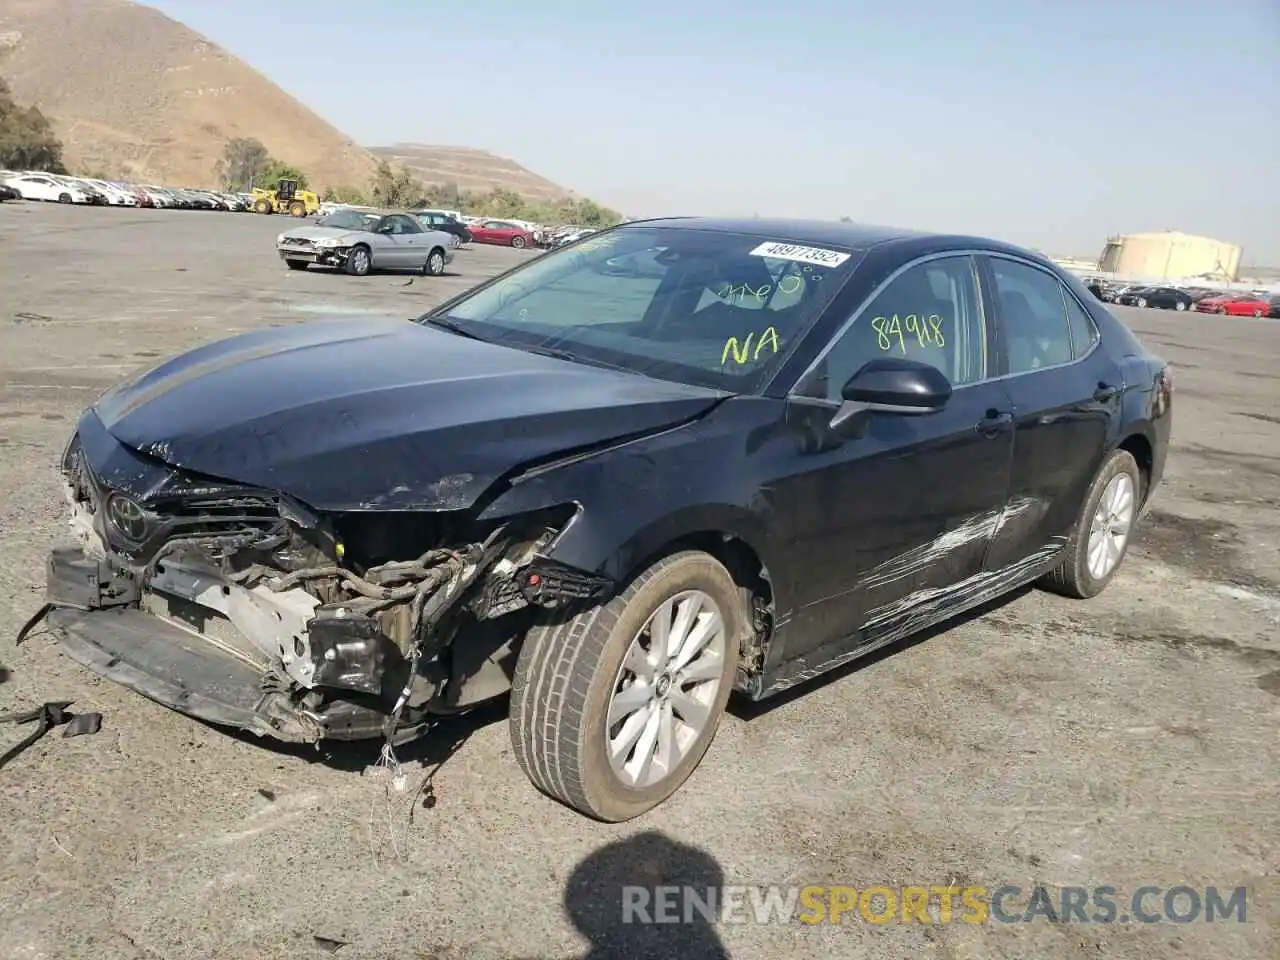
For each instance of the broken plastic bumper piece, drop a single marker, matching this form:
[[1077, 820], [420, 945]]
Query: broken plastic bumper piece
[[96, 620]]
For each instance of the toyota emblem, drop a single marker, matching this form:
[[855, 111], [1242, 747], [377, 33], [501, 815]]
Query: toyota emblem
[[127, 518]]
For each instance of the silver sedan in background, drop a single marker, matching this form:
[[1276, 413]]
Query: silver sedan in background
[[358, 241]]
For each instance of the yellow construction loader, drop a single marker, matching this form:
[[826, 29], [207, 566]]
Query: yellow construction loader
[[286, 198]]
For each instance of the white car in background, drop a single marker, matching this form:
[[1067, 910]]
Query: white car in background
[[46, 186], [116, 195]]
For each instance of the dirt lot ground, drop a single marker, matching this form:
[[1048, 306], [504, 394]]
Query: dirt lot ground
[[1129, 740]]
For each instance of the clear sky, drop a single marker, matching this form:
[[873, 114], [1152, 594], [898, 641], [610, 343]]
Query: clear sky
[[1050, 124]]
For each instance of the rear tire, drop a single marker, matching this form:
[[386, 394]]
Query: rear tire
[[297, 264], [1117, 489], [573, 673], [434, 265]]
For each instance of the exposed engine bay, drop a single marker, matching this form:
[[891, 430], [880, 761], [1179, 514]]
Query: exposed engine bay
[[359, 624]]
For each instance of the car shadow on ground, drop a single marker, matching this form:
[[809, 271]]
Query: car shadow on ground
[[445, 738]]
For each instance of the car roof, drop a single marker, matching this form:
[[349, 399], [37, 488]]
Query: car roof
[[851, 236]]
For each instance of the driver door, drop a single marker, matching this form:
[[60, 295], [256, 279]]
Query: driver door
[[895, 521], [397, 248]]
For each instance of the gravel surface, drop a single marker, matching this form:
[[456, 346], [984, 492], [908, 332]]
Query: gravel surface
[[1133, 739]]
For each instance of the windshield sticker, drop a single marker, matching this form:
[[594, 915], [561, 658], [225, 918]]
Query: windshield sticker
[[790, 251], [925, 331], [743, 353]]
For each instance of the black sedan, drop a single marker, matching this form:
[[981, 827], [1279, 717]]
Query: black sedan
[[432, 220], [8, 193], [677, 459], [1163, 298]]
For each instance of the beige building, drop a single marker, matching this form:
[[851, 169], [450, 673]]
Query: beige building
[[1170, 255]]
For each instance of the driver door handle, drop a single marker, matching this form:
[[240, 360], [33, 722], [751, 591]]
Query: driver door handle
[[994, 422]]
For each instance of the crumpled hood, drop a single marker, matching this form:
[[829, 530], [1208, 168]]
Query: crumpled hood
[[379, 415]]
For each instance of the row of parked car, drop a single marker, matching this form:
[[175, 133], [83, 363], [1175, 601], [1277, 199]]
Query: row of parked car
[[499, 231], [55, 188], [1232, 303]]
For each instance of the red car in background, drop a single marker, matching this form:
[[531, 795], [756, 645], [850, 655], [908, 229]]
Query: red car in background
[[1236, 305], [501, 232]]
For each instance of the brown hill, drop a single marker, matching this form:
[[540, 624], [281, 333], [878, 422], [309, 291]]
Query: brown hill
[[470, 169], [135, 94]]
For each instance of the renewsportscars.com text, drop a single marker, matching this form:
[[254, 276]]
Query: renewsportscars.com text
[[819, 904]]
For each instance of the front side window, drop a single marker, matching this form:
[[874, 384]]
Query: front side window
[[350, 220], [931, 312], [398, 223], [705, 307], [1033, 314]]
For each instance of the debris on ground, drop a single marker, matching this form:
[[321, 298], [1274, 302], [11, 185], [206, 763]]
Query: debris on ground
[[46, 717]]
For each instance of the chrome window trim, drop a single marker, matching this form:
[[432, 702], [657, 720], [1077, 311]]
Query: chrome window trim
[[980, 284], [870, 299]]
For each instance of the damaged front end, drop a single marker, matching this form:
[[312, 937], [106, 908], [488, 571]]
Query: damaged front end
[[245, 607], [324, 251]]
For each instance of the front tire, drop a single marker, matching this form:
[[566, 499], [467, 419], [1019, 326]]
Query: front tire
[[1179, 306], [1142, 302], [297, 209], [64, 198], [358, 261], [1103, 531], [613, 709], [517, 242], [262, 206]]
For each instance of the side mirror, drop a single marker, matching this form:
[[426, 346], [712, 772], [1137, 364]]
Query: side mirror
[[891, 385]]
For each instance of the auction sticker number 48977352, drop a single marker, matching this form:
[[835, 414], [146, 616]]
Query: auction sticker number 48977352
[[790, 251]]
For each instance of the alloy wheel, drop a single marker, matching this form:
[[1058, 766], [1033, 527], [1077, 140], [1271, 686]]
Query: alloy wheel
[[1112, 521], [665, 691]]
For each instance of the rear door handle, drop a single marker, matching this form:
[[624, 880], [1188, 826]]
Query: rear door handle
[[994, 422], [1105, 392]]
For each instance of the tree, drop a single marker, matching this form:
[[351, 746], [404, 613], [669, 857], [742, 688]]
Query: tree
[[27, 141], [394, 188], [243, 161], [273, 171], [343, 195], [246, 163]]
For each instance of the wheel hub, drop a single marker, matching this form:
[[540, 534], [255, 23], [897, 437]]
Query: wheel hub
[[662, 687]]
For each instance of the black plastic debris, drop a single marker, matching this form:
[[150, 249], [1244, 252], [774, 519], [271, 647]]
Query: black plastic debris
[[32, 623], [46, 717]]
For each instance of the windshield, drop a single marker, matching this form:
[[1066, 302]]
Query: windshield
[[350, 220], [716, 309]]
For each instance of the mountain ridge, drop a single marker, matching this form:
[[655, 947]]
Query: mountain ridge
[[135, 94]]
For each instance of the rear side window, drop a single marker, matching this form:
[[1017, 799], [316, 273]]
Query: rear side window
[[1033, 315], [1084, 332]]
